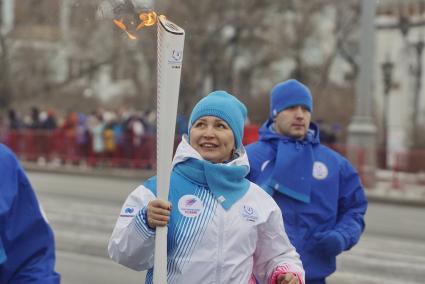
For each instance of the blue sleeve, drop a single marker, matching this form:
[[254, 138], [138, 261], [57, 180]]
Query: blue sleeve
[[255, 157], [352, 205], [3, 256], [27, 238]]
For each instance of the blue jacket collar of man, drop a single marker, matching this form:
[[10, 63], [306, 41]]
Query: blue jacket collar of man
[[293, 167], [267, 133]]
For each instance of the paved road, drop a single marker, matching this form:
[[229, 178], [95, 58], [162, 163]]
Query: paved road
[[83, 210], [76, 268], [392, 249]]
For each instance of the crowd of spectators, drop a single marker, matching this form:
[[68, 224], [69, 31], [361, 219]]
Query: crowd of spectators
[[99, 136], [122, 135], [118, 137]]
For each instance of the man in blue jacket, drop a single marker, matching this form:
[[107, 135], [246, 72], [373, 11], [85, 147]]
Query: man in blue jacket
[[319, 192], [27, 250]]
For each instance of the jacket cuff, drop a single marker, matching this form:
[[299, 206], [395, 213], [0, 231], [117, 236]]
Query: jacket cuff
[[141, 224], [343, 239], [351, 232], [284, 270]]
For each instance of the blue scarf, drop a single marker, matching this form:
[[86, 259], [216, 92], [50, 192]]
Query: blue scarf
[[227, 183], [3, 256], [293, 168]]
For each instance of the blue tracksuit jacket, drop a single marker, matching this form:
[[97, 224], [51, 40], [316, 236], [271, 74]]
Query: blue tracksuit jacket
[[337, 200], [27, 251]]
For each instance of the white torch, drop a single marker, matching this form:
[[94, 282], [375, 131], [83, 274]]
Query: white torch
[[170, 56], [128, 17]]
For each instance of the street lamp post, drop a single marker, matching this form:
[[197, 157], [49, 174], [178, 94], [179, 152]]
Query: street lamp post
[[419, 46], [362, 130], [387, 72]]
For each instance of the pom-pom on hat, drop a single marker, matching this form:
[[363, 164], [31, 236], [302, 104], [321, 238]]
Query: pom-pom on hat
[[224, 106], [288, 94]]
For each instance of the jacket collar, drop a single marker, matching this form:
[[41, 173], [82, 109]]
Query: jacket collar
[[268, 132]]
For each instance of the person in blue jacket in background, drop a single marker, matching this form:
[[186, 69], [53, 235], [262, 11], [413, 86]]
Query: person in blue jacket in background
[[318, 191], [27, 249]]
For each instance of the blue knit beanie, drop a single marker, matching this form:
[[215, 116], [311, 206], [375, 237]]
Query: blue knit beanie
[[288, 94], [224, 106]]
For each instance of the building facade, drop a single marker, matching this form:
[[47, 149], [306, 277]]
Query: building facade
[[399, 91]]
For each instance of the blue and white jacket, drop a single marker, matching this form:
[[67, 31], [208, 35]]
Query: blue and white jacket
[[206, 243], [337, 200], [27, 249]]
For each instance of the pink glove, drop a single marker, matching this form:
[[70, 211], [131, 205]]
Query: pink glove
[[284, 270]]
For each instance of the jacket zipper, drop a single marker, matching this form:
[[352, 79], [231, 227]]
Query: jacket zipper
[[220, 246]]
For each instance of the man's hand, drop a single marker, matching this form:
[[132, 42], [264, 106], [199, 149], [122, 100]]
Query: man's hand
[[158, 213], [330, 242], [287, 278]]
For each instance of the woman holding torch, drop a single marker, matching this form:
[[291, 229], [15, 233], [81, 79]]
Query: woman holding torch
[[221, 227]]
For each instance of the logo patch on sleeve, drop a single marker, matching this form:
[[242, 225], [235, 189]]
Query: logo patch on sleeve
[[128, 211]]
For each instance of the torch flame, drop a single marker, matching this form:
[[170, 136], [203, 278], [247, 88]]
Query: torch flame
[[121, 25], [146, 20]]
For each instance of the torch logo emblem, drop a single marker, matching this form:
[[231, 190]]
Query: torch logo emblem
[[176, 56]]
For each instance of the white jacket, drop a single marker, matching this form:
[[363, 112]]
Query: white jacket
[[206, 243]]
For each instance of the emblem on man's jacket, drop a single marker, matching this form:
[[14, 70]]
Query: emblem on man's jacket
[[320, 171]]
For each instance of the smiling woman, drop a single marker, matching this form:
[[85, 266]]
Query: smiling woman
[[216, 126], [210, 205], [213, 139]]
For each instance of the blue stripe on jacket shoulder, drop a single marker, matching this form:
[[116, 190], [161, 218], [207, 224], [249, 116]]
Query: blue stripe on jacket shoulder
[[150, 183]]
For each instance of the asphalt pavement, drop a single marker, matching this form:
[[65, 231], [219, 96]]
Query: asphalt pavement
[[83, 221]]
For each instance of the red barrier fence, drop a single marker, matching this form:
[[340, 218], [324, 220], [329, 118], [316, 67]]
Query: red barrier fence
[[63, 147], [404, 167]]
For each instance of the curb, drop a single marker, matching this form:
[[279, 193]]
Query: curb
[[393, 199], [87, 171]]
